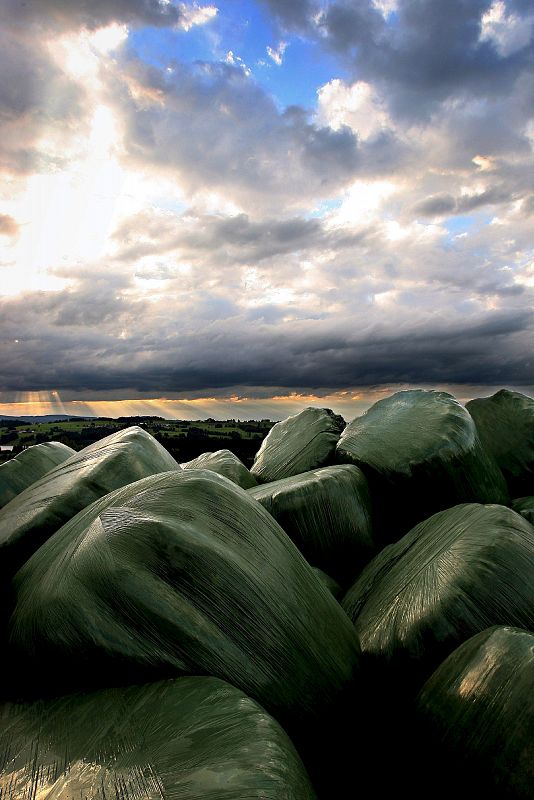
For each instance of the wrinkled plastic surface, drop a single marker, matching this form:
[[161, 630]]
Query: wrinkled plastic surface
[[223, 462], [421, 453], [453, 575], [326, 512], [505, 424], [184, 573], [189, 738], [300, 443], [477, 713], [525, 507], [41, 509], [27, 467], [333, 586]]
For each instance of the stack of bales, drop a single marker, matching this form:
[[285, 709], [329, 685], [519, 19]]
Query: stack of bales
[[185, 620]]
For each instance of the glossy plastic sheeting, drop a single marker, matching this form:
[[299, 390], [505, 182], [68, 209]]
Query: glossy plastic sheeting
[[191, 738], [525, 507], [41, 509], [420, 452], [223, 462], [477, 715], [452, 576], [505, 424], [326, 512], [333, 586], [300, 443], [184, 573], [27, 467]]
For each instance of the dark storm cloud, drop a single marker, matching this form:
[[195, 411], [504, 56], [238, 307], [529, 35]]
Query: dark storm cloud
[[92, 13], [297, 14], [443, 205], [228, 241], [216, 127], [87, 340], [432, 50], [235, 239]]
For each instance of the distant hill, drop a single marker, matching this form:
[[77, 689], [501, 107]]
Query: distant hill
[[45, 418]]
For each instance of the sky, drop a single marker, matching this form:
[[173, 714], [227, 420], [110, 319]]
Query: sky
[[242, 207]]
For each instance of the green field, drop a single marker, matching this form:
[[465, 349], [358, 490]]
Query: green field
[[184, 439]]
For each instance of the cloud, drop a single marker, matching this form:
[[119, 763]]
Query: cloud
[[277, 54], [195, 15], [8, 225], [430, 52], [442, 205], [66, 14], [213, 126], [508, 32], [383, 237], [236, 239], [215, 345], [354, 105], [36, 98], [297, 15]]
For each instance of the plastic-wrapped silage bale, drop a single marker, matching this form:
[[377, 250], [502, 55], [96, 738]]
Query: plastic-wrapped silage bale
[[327, 513], [476, 715], [183, 573], [28, 466], [188, 738], [505, 424], [223, 462], [525, 507], [333, 586], [41, 509], [298, 444], [453, 575], [420, 453]]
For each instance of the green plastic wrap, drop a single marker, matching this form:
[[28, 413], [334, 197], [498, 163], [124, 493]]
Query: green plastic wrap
[[27, 467], [191, 738], [326, 512], [453, 575], [183, 573], [41, 509], [477, 717], [525, 507], [333, 586], [223, 462], [420, 453], [505, 424], [300, 443]]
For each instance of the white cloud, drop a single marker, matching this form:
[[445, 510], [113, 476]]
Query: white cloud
[[508, 32], [192, 15], [386, 7], [360, 204], [237, 61], [277, 54], [356, 105]]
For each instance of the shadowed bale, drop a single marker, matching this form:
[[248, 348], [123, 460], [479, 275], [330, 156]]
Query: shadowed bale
[[505, 424], [476, 715], [327, 513]]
